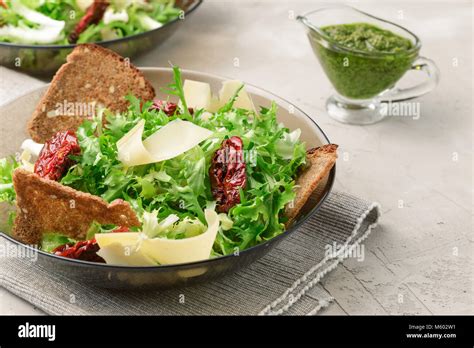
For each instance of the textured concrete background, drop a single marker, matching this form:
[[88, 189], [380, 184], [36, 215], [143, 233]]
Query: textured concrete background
[[420, 260]]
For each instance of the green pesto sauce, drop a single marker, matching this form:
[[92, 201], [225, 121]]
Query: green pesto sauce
[[367, 37], [372, 59]]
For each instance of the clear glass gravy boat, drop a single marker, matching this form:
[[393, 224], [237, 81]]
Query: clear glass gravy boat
[[365, 81]]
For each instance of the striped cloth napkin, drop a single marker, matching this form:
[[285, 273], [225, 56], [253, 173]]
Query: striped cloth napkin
[[285, 281]]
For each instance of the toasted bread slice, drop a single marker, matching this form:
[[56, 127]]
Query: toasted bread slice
[[92, 76], [47, 206], [320, 160]]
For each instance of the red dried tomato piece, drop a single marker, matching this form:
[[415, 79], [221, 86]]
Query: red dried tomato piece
[[93, 15], [85, 250], [227, 174], [121, 229], [169, 108], [53, 160]]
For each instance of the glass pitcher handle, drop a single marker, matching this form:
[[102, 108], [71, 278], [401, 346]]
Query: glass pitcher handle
[[421, 64]]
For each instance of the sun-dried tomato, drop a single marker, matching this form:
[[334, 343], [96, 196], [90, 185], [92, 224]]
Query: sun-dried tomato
[[227, 174], [120, 229], [169, 108], [53, 160], [93, 15], [85, 250]]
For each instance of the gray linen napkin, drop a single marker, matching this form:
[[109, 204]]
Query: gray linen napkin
[[283, 282]]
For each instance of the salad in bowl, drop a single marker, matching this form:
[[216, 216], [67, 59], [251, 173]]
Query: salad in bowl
[[52, 22], [37, 35], [138, 181]]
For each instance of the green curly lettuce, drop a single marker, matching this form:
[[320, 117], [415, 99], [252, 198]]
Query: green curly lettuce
[[180, 186], [7, 166], [7, 191], [141, 17], [50, 241], [170, 196]]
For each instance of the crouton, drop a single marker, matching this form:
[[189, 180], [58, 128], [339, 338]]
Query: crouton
[[319, 160], [45, 205], [92, 76]]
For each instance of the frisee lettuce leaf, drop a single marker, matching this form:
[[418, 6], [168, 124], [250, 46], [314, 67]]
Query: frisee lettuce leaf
[[7, 166], [178, 190], [162, 11], [51, 241], [180, 187], [171, 227], [176, 89]]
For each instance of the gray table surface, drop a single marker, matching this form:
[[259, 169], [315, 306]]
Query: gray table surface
[[420, 260]]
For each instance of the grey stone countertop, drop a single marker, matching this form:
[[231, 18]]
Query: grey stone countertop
[[420, 259]]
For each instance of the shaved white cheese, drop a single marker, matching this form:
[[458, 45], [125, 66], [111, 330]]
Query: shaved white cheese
[[29, 148], [197, 94], [174, 139], [25, 159], [120, 249], [168, 142], [122, 238], [243, 100], [33, 147], [214, 105], [148, 23], [131, 151], [135, 248], [171, 251], [110, 15], [206, 116]]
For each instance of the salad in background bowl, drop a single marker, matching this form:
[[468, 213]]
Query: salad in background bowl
[[37, 35]]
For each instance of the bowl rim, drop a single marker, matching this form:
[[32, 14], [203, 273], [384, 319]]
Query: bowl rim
[[194, 5], [294, 227]]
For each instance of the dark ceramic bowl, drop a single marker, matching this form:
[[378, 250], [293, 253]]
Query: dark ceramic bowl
[[13, 118], [44, 60]]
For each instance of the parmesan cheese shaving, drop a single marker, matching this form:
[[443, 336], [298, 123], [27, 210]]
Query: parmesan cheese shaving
[[198, 95], [25, 159], [32, 147], [131, 151], [243, 100], [136, 249], [168, 142]]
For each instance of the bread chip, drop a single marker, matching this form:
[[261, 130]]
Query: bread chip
[[320, 161], [47, 206], [92, 76]]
